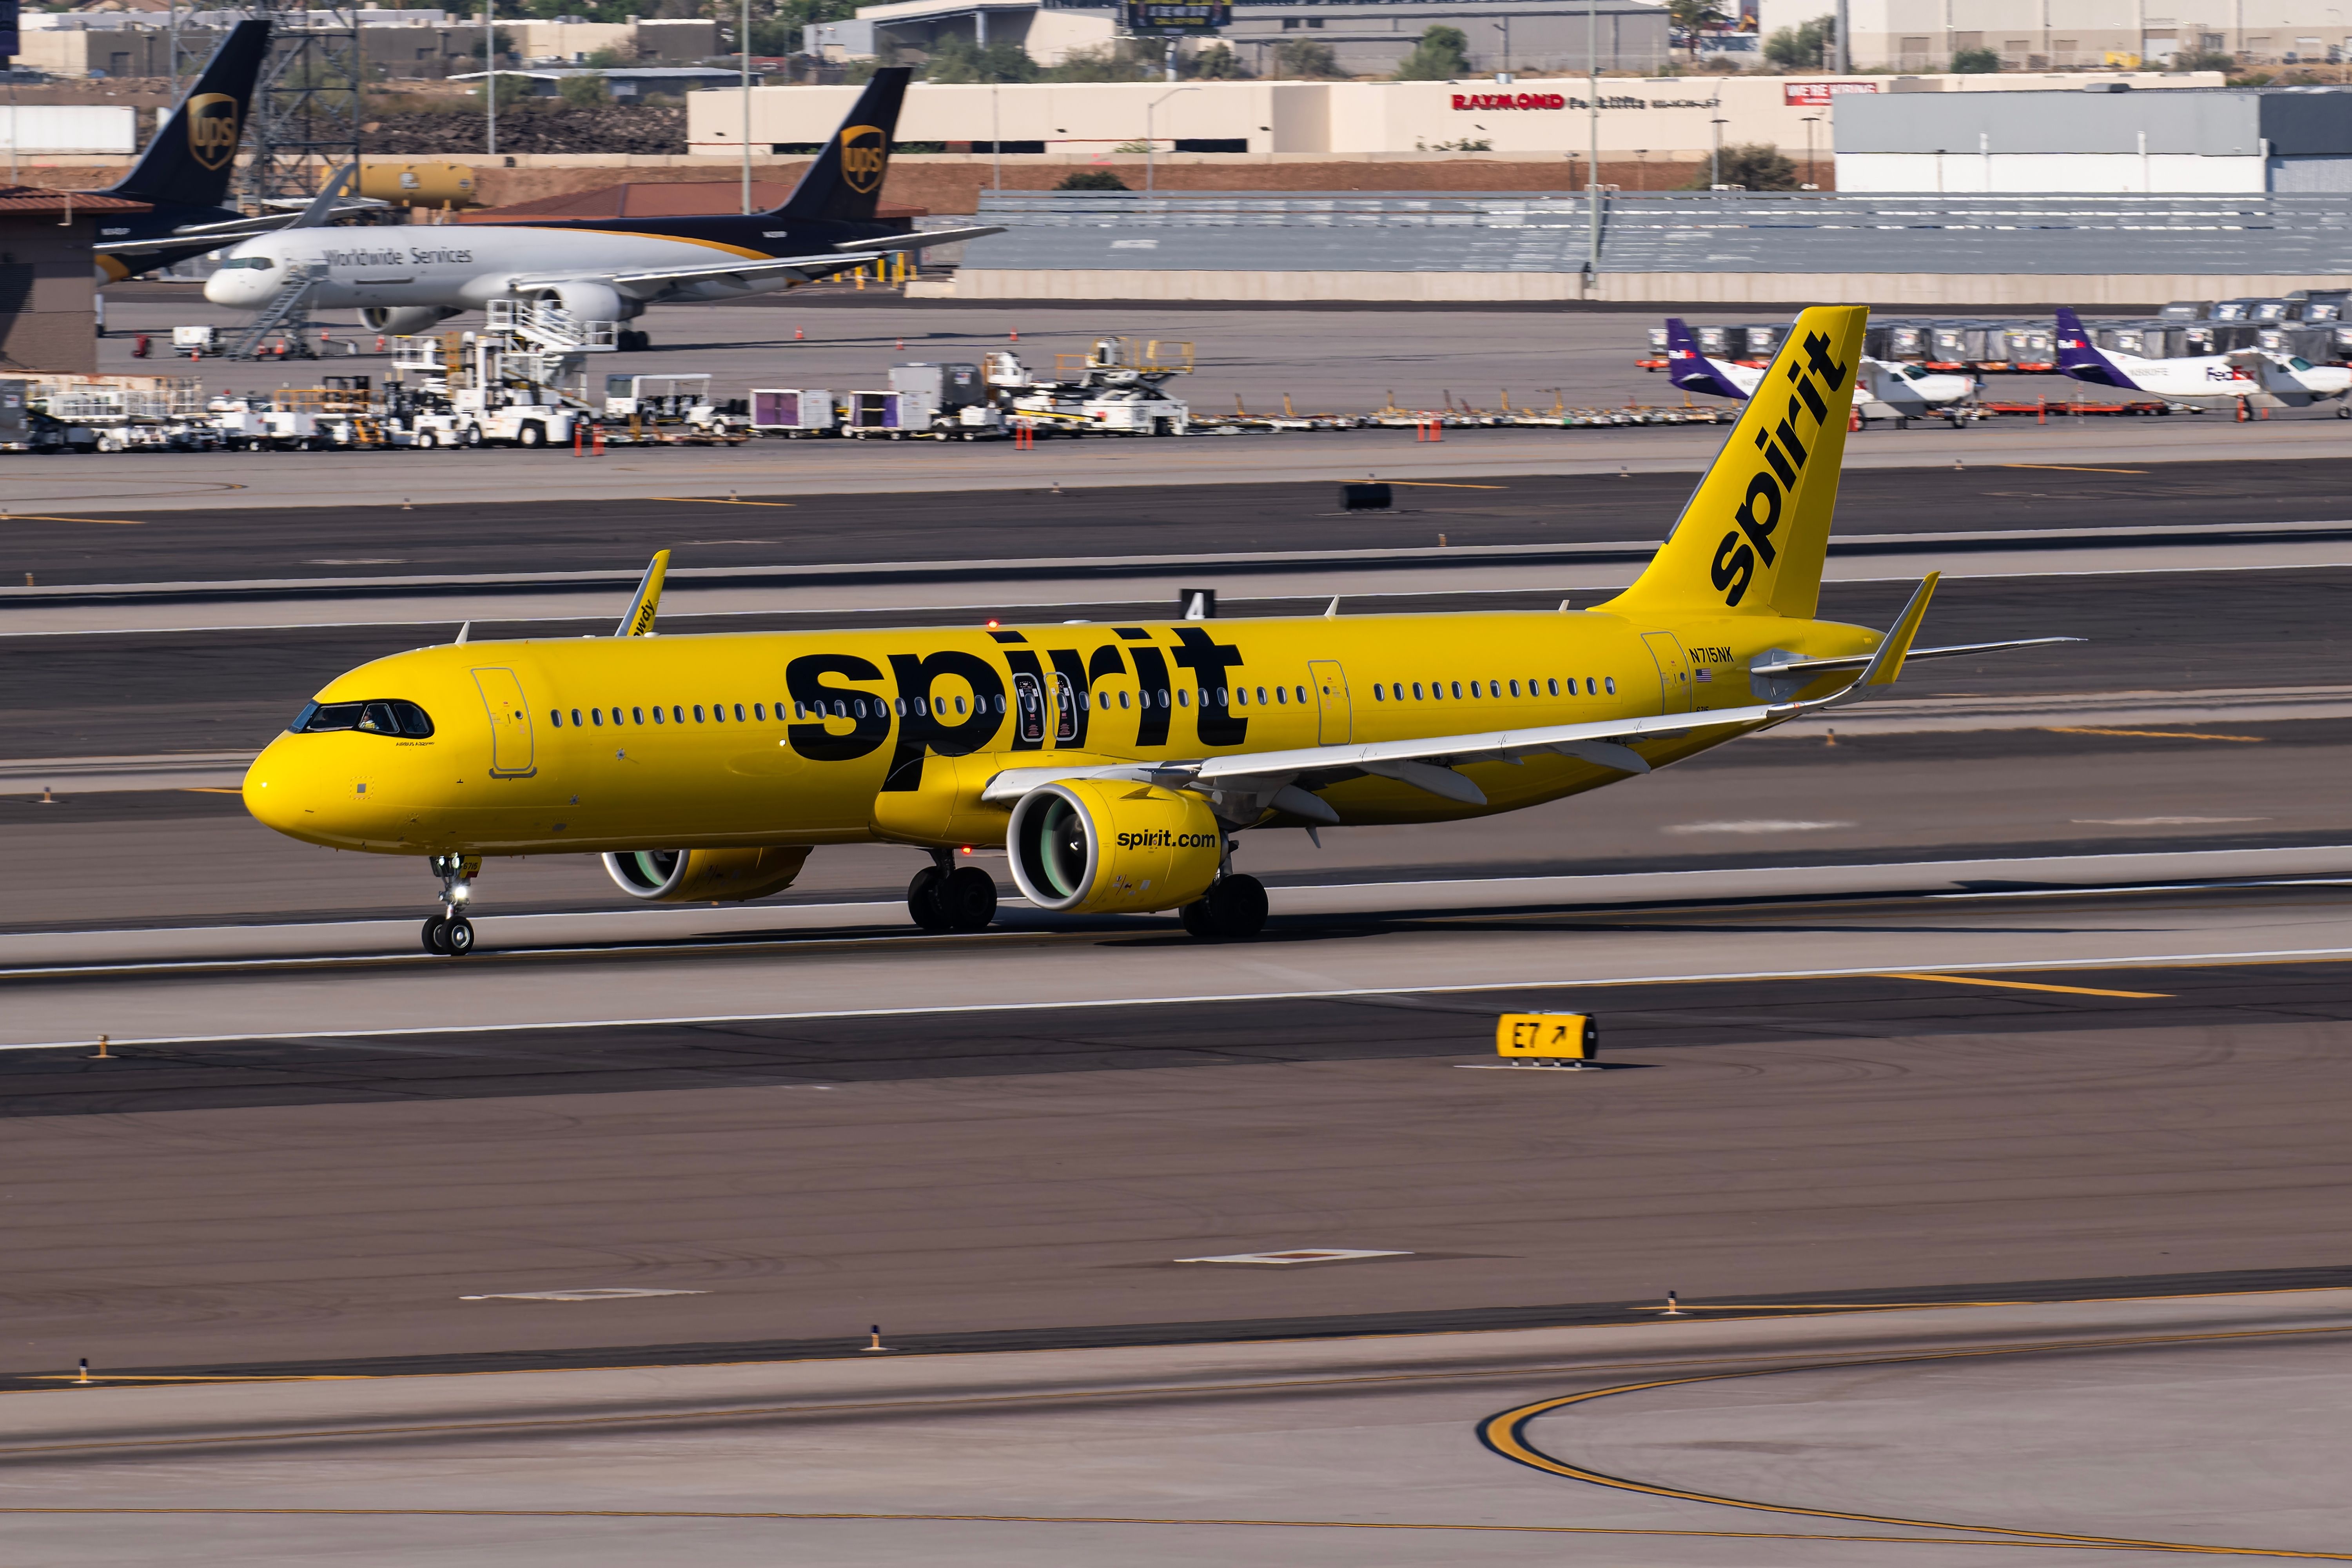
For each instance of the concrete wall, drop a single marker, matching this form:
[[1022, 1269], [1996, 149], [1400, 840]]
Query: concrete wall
[[1918, 291], [1660, 118], [2020, 173]]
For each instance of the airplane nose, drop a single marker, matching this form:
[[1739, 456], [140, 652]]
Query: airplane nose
[[271, 796]]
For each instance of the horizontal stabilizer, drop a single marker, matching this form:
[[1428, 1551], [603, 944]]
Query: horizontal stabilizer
[[1858, 661]]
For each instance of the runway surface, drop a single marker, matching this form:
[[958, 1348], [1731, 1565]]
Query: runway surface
[[372, 485], [540, 538]]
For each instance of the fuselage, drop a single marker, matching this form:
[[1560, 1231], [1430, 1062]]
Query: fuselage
[[460, 267], [1899, 389], [2216, 378], [620, 743]]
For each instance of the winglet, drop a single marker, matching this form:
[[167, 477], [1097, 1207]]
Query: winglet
[[639, 621], [321, 210], [1896, 647]]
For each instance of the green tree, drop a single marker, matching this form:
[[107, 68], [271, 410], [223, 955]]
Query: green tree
[[1305, 59], [1092, 179], [1122, 62], [2204, 60], [959, 61], [1443, 54], [1217, 63], [1976, 62], [1751, 166], [1692, 19], [584, 92], [506, 43], [1804, 48]]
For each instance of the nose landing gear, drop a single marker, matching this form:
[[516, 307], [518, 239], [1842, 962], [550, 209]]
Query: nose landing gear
[[449, 933]]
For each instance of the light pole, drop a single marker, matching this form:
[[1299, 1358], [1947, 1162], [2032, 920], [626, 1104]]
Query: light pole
[[1715, 156], [490, 75], [743, 50], [1812, 181], [1148, 143], [1592, 129]]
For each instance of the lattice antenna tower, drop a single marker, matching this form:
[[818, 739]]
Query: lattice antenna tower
[[307, 114]]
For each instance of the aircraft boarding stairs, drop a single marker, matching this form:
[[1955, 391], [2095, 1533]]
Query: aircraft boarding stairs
[[286, 310]]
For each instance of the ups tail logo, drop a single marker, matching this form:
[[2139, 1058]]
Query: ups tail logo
[[865, 152], [211, 128]]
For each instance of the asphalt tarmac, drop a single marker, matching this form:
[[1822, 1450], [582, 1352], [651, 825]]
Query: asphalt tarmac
[[550, 533], [2119, 1426]]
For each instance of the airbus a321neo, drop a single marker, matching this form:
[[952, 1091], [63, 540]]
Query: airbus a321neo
[[604, 269], [2258, 377], [1122, 765], [1887, 391]]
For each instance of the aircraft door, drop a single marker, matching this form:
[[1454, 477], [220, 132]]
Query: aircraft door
[[511, 747], [1029, 700], [1674, 672], [1334, 716], [1065, 709]]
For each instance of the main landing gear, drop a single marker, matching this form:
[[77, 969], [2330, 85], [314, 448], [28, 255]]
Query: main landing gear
[[449, 933], [1232, 910], [946, 896]]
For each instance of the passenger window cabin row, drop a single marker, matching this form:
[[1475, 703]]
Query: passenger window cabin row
[[1026, 700]]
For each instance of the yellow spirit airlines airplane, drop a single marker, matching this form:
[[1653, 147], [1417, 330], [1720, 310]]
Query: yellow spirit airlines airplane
[[1116, 763]]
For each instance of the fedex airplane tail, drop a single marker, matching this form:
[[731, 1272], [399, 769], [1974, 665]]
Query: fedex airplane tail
[[191, 159], [1689, 369], [2079, 358], [845, 182]]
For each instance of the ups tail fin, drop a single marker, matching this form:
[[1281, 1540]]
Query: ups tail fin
[[1752, 538], [845, 182], [191, 159]]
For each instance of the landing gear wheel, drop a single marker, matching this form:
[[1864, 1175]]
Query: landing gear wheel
[[457, 936], [924, 902], [431, 934], [1233, 911], [968, 898]]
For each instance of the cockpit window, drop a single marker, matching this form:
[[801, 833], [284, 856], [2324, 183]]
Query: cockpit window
[[384, 717], [258, 263]]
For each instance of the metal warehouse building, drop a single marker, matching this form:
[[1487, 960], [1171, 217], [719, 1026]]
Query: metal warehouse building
[[2285, 140]]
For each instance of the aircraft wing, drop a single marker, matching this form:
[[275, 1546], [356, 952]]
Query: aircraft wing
[[1855, 661], [801, 268], [1266, 779], [232, 230], [921, 238]]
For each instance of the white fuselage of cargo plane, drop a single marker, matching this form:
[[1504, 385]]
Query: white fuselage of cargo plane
[[464, 266], [2258, 376]]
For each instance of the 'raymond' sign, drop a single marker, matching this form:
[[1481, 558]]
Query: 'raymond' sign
[[1813, 94], [1510, 100]]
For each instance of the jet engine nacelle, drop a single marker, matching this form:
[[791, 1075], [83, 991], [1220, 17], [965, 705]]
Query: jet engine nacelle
[[586, 301], [1111, 846], [705, 876], [405, 319]]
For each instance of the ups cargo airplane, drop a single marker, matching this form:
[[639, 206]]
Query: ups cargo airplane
[[603, 270], [1116, 763], [185, 173], [2256, 376]]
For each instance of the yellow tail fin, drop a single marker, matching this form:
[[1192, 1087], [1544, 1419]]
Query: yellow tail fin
[[1752, 539]]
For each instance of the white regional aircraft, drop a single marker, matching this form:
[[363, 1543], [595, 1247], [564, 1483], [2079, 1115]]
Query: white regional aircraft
[[1883, 391], [2259, 377], [600, 269]]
